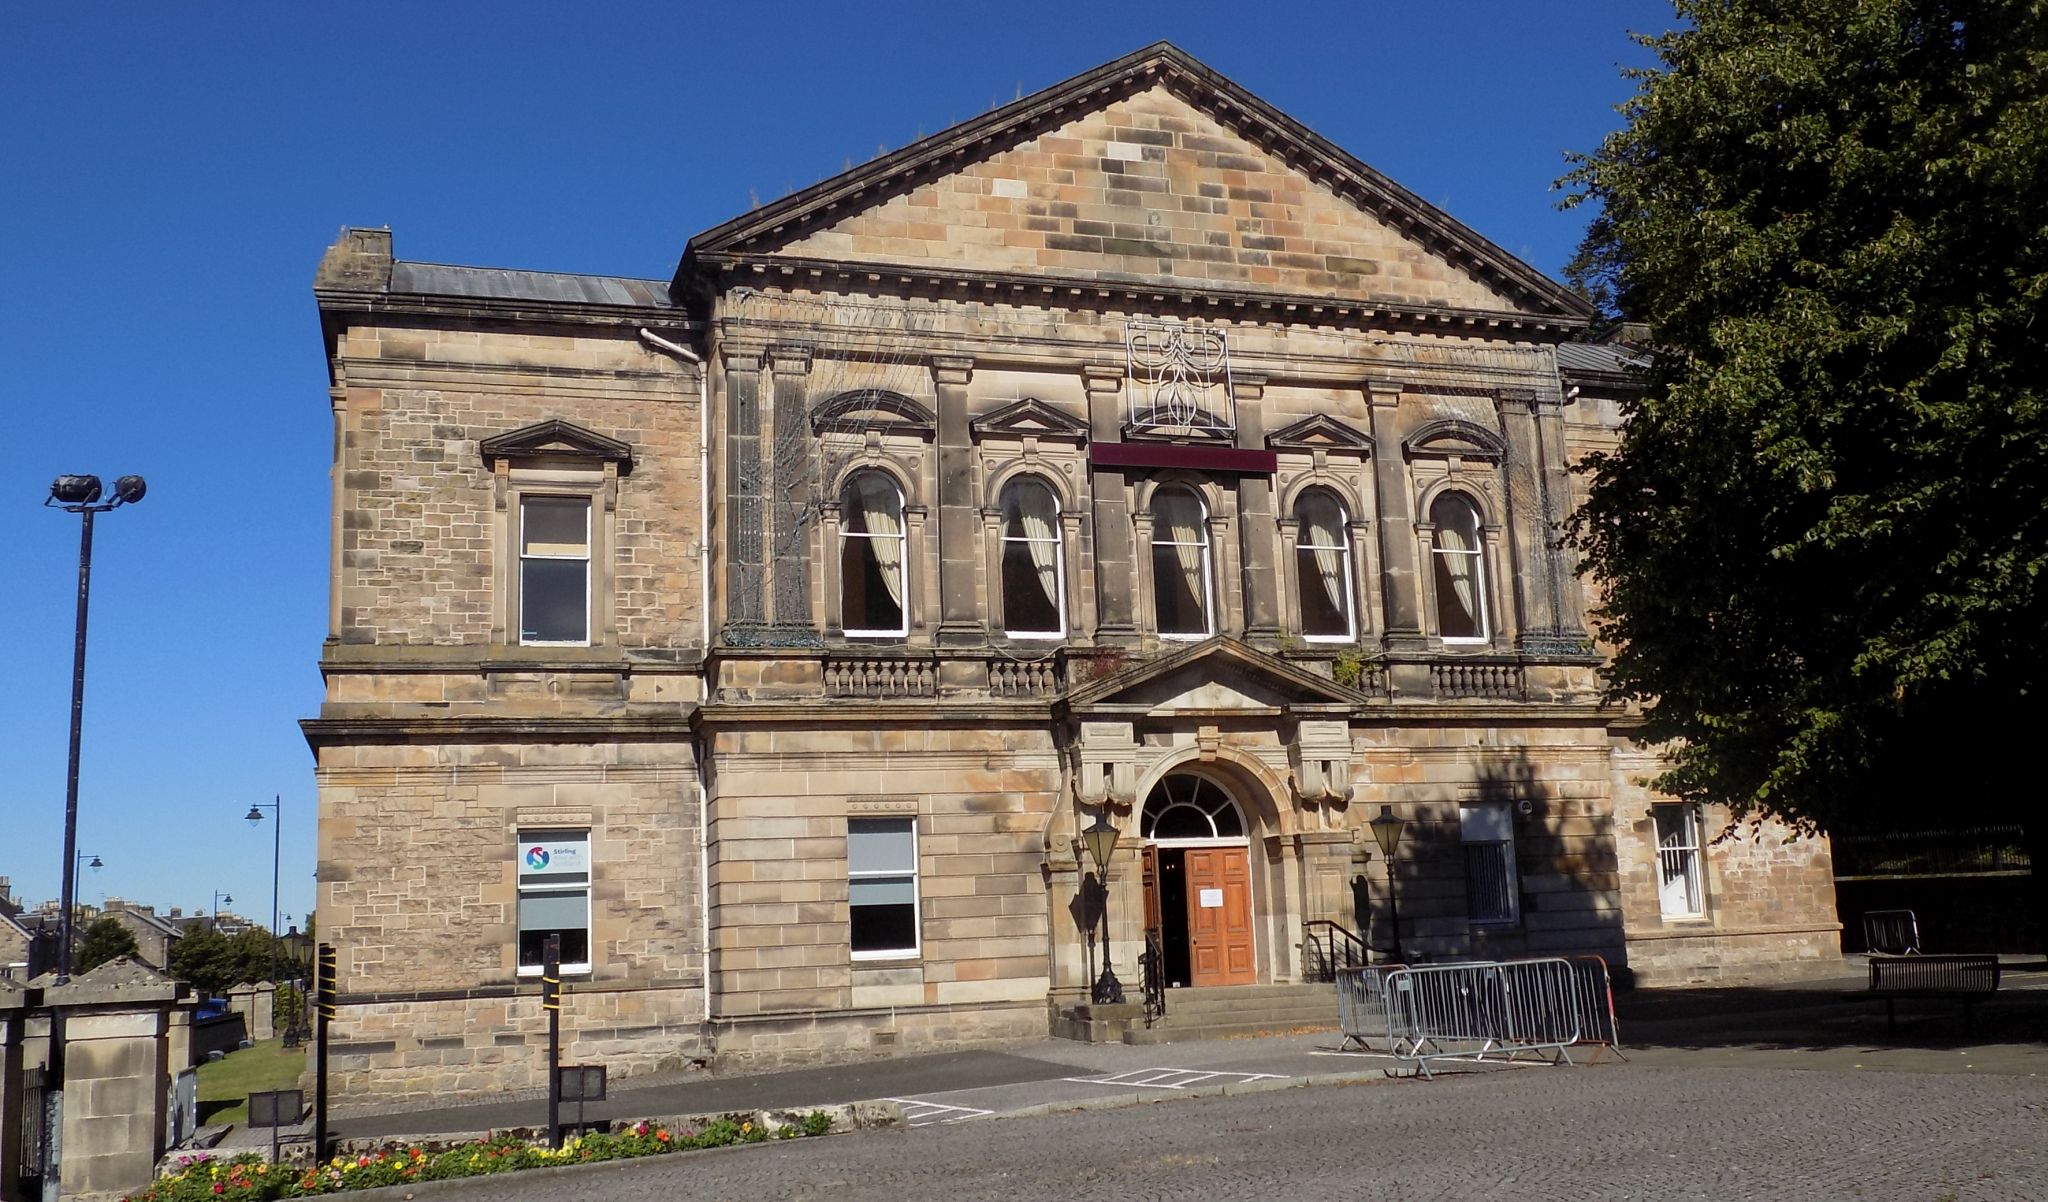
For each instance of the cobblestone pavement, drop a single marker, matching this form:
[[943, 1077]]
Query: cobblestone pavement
[[1610, 1132]]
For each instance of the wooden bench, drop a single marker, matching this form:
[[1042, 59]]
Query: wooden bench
[[1970, 978]]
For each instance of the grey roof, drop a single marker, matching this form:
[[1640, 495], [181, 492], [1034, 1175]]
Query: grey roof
[[498, 283], [1610, 357]]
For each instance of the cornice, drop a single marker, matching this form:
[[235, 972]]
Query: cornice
[[517, 311], [333, 732]]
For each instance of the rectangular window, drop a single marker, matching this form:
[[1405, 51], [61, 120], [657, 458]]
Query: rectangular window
[[554, 570], [554, 898], [881, 887], [1488, 830], [1679, 891]]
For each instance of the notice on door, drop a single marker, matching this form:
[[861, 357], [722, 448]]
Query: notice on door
[[1212, 899]]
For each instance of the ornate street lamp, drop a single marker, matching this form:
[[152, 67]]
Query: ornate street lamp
[[255, 819], [1386, 831], [1100, 839], [80, 495]]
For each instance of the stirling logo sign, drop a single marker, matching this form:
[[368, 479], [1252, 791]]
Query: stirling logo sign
[[536, 859]]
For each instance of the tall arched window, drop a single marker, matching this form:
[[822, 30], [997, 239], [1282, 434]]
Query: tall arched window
[[1180, 565], [1322, 568], [1034, 577], [871, 568], [1460, 570]]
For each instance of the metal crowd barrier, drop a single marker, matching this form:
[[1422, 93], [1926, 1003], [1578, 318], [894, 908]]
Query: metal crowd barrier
[[1491, 1009]]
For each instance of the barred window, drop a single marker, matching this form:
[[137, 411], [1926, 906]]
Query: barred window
[[1488, 831], [1679, 888]]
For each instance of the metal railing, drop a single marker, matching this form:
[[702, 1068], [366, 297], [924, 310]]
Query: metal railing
[[1327, 947], [1501, 1010], [1152, 968], [1891, 933]]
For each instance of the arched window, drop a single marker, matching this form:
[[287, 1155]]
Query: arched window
[[1460, 570], [1034, 577], [1322, 568], [871, 568], [1180, 565], [1185, 806]]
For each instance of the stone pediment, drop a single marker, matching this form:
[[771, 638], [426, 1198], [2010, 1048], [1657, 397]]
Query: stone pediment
[[1450, 436], [1029, 417], [1151, 169], [1219, 675], [1320, 432], [557, 439], [866, 409]]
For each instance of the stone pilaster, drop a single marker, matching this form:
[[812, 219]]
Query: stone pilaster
[[1255, 519], [960, 619], [1116, 576], [792, 492], [1527, 560], [745, 471], [13, 1006], [1400, 589]]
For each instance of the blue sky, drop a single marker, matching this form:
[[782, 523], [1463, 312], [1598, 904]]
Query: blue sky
[[169, 174]]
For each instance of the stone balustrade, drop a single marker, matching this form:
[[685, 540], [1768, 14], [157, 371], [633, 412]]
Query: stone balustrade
[[1024, 677], [1486, 681], [904, 676]]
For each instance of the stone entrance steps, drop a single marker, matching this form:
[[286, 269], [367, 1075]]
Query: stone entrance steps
[[1221, 1012]]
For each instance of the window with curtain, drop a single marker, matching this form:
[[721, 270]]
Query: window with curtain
[[1180, 564], [554, 570], [871, 558], [1322, 566], [1034, 577], [1460, 572], [1488, 832], [1679, 889], [881, 887]]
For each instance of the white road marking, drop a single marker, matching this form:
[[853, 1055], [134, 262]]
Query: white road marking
[[1170, 1078], [926, 1114]]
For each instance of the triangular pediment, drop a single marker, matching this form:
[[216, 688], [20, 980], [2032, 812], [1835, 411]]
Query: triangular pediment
[[1216, 676], [1150, 169], [1451, 436], [876, 409], [557, 439], [1320, 432], [1029, 416]]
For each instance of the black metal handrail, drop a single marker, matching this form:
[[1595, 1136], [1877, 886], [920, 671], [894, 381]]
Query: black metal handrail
[[1327, 947], [1153, 966]]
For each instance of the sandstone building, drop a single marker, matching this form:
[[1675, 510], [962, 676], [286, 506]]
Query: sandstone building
[[769, 632]]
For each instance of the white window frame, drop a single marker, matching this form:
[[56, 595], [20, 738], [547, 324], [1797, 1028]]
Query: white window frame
[[916, 948], [1343, 549], [902, 537], [1059, 560], [540, 887], [1208, 597], [519, 548], [1479, 582], [1468, 822], [1688, 855]]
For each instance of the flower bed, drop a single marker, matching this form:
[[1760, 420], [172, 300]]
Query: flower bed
[[248, 1178]]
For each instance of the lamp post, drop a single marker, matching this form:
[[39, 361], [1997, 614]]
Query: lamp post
[[218, 898], [1100, 839], [1386, 831], [80, 495], [255, 818], [79, 865]]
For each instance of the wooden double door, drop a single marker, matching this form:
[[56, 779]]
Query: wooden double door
[[1199, 902]]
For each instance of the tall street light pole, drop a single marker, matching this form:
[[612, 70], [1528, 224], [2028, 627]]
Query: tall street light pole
[[255, 817], [80, 495]]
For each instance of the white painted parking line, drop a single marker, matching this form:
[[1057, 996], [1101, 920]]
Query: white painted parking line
[[926, 1114], [1170, 1078]]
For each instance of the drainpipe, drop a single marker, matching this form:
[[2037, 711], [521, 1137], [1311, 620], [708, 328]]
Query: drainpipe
[[704, 615]]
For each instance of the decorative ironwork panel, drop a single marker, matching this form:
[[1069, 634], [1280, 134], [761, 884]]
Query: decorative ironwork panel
[[1179, 377]]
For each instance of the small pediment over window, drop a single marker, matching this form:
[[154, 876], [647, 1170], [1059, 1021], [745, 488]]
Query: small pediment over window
[[874, 409], [557, 439], [1032, 417], [1450, 436], [1320, 433]]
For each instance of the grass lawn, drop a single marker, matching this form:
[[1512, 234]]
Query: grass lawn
[[225, 1084]]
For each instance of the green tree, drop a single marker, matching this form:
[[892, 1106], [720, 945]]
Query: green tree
[[1823, 533], [201, 959], [104, 939]]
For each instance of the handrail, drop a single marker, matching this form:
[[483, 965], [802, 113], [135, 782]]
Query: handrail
[[1329, 946], [1153, 967]]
